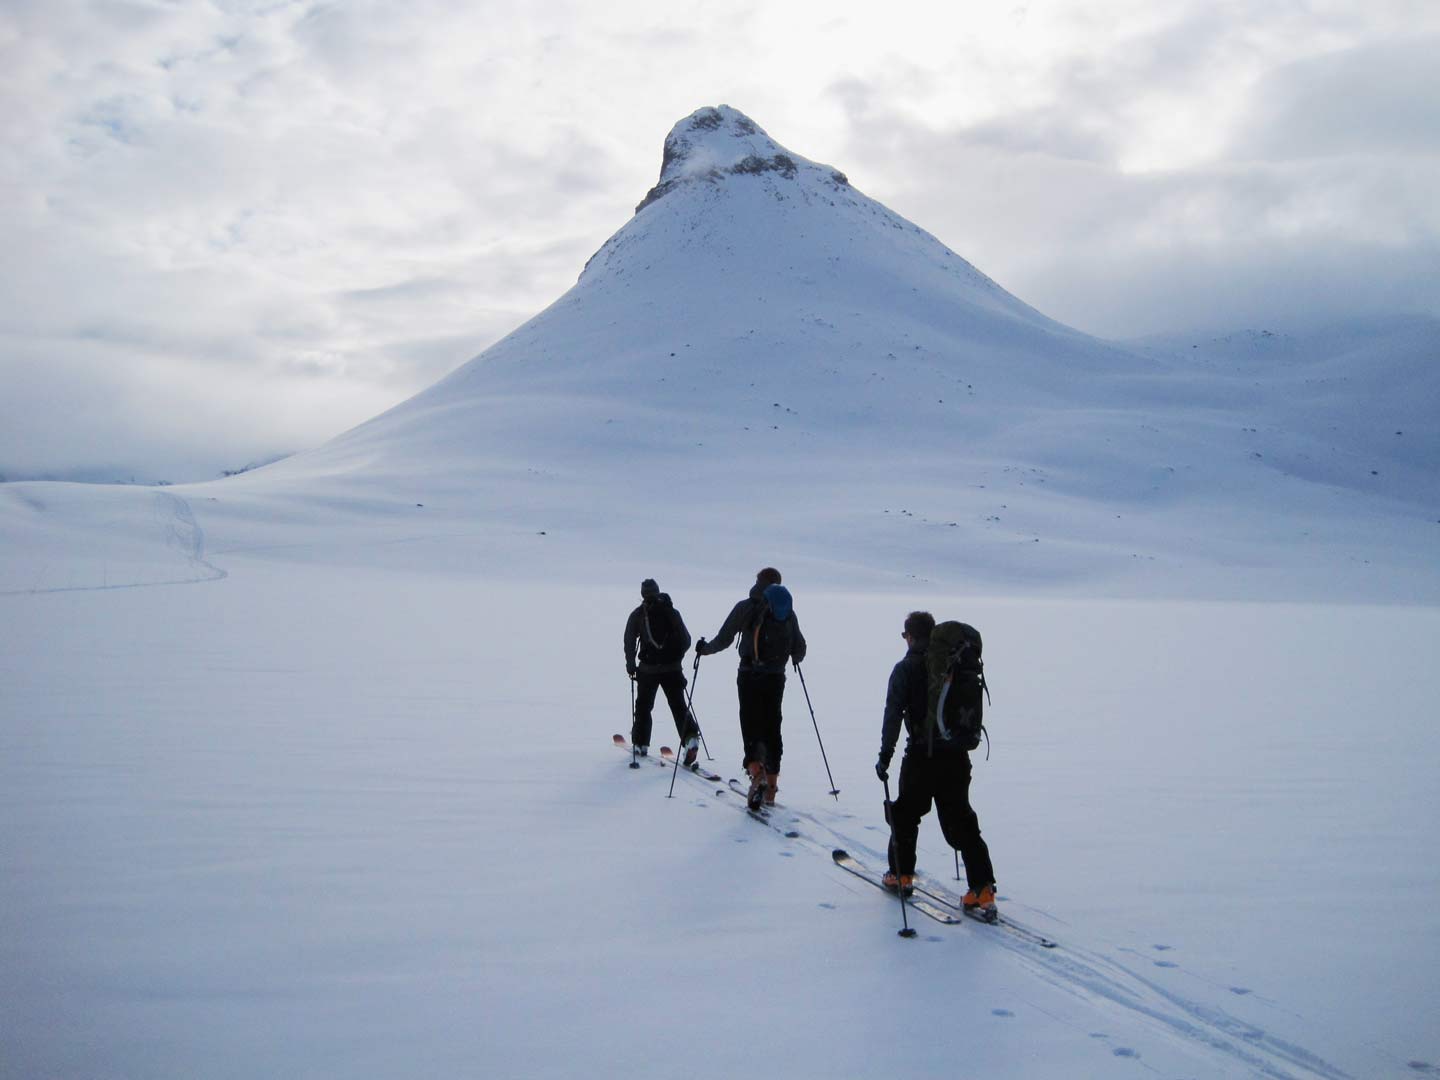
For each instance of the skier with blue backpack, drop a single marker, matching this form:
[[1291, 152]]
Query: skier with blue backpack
[[769, 638], [937, 692]]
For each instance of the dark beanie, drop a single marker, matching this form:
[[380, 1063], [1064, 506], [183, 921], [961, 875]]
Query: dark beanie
[[648, 589]]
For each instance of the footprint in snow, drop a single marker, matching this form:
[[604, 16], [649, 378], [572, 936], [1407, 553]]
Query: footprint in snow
[[827, 907], [787, 854], [1240, 991], [1001, 1012], [1166, 964], [1162, 948], [1126, 1052], [1421, 1066]]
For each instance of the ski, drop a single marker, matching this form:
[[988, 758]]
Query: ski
[[846, 861], [697, 769], [1024, 933], [762, 811], [999, 922], [622, 743], [764, 815]]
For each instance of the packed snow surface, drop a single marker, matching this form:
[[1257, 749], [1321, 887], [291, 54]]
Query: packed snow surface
[[308, 771]]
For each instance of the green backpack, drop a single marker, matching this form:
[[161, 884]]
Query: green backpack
[[955, 712]]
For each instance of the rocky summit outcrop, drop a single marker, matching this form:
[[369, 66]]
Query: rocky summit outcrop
[[713, 143]]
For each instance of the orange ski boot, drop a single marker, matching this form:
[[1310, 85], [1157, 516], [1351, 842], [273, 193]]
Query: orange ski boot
[[981, 902]]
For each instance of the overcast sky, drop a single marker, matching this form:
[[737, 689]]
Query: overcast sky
[[235, 228]]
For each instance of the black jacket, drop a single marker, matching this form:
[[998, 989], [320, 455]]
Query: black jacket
[[906, 700], [741, 621], [659, 632]]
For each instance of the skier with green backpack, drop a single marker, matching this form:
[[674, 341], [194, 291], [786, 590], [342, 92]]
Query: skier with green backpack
[[937, 691]]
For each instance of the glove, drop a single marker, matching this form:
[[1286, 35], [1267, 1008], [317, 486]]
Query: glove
[[701, 646], [882, 769], [630, 668]]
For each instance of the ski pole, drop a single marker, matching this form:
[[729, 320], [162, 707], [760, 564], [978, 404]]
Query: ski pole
[[833, 789], [905, 931], [675, 769], [690, 708], [699, 731], [634, 750]]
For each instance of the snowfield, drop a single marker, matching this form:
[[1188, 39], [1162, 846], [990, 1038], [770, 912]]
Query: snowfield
[[307, 772], [308, 821]]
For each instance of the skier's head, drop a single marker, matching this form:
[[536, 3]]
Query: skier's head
[[649, 590], [918, 626], [768, 576]]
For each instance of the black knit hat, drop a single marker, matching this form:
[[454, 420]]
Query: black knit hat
[[648, 589]]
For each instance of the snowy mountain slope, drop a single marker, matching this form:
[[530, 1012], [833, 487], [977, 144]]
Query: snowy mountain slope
[[764, 350], [737, 299], [1350, 407], [764, 362]]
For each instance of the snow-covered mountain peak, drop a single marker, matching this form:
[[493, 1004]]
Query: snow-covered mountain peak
[[765, 359], [743, 221], [717, 142]]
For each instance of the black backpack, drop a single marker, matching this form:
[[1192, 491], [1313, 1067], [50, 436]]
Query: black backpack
[[773, 635], [658, 636], [955, 710]]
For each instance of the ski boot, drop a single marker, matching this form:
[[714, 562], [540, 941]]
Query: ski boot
[[899, 882], [758, 785], [981, 902]]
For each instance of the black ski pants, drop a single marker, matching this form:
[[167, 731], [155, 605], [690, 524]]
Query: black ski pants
[[760, 697], [943, 779], [673, 683]]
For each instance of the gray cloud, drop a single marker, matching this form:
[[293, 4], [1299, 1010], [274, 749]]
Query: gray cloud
[[1318, 204], [222, 202], [1380, 98], [234, 229]]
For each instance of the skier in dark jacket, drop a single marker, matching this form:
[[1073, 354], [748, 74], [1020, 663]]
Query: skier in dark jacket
[[765, 619], [657, 629], [932, 770]]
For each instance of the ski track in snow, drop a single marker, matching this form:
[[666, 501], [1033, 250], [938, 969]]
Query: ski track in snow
[[176, 523], [1086, 974], [184, 533]]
